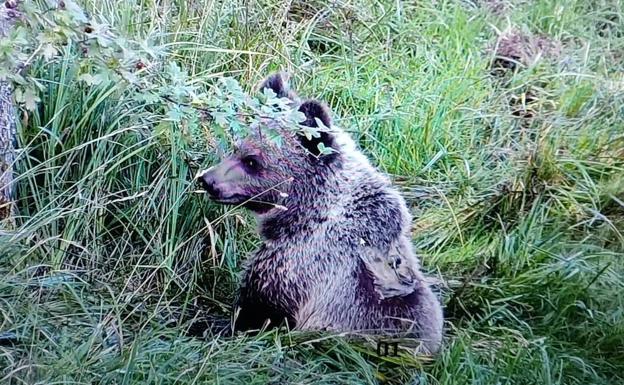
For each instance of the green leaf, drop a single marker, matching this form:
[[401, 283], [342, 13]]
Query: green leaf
[[163, 130], [324, 150], [232, 86], [310, 132], [130, 77], [275, 137], [148, 98], [48, 51], [5, 74], [321, 126], [268, 95], [175, 114], [75, 12], [90, 80], [176, 75], [296, 116], [31, 98], [220, 118]]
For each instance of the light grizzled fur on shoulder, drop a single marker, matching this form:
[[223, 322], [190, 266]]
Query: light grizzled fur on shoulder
[[336, 252]]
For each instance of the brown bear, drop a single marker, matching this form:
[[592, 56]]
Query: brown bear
[[336, 253]]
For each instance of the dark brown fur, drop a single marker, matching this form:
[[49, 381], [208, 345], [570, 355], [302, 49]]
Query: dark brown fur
[[336, 252]]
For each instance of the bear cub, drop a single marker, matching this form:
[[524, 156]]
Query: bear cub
[[336, 252]]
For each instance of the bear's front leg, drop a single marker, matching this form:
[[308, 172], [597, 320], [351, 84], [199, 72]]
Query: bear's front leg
[[252, 312]]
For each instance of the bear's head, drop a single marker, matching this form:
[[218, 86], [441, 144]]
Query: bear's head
[[261, 174]]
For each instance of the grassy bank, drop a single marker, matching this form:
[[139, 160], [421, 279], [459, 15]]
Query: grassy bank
[[512, 166]]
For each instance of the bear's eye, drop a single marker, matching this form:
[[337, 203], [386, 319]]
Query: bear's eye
[[251, 163]]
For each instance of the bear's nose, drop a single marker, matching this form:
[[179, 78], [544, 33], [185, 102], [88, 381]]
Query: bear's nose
[[208, 184]]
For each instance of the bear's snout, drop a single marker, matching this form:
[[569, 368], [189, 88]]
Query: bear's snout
[[221, 185], [208, 183]]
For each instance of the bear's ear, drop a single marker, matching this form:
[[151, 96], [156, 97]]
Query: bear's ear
[[313, 110], [278, 83]]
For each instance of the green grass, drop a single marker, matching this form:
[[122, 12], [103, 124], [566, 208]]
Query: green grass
[[518, 205]]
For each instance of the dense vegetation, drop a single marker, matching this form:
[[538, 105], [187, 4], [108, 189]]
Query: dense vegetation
[[501, 121]]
